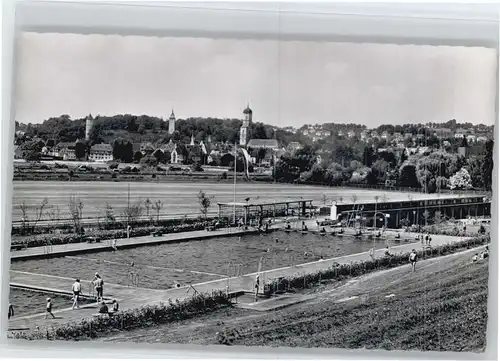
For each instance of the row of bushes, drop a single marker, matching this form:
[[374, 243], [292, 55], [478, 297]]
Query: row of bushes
[[145, 316], [338, 272], [102, 235], [455, 231], [28, 230]]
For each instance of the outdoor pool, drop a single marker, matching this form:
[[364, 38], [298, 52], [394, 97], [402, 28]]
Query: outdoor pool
[[192, 262]]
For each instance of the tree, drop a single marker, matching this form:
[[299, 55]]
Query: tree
[[80, 150], [204, 201], [159, 155], [426, 216], [147, 205], [109, 214], [137, 156], [408, 176], [75, 206], [32, 150], [461, 180], [133, 212], [368, 156], [438, 217], [487, 167], [157, 206], [149, 160], [123, 150]]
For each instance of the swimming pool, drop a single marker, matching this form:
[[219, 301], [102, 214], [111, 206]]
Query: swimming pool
[[196, 261]]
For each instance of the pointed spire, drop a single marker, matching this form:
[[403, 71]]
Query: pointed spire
[[172, 115]]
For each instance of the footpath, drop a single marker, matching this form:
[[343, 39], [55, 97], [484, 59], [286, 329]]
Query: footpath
[[133, 297]]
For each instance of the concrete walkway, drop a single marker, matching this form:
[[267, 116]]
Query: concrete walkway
[[131, 297]]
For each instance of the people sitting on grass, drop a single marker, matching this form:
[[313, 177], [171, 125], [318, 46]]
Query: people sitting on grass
[[323, 230], [115, 306], [475, 258], [387, 252], [398, 236], [104, 308], [484, 254]]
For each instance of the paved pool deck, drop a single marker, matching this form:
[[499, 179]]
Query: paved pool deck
[[133, 297]]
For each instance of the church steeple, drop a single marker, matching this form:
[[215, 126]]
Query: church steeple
[[171, 123], [192, 140]]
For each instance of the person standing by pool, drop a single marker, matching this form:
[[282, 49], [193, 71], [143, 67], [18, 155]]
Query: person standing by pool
[[129, 229], [77, 289], [98, 283], [413, 260], [48, 309], [257, 285], [371, 254], [113, 244], [11, 311]]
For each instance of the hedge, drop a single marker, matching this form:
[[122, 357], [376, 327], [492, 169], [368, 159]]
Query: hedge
[[145, 316], [102, 235], [110, 225], [338, 272]]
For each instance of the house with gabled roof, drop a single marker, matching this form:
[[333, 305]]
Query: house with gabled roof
[[101, 153]]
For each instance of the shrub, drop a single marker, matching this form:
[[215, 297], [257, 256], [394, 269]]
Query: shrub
[[148, 315], [166, 226]]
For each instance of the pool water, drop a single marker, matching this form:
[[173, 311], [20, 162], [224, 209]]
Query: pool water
[[30, 302], [192, 262]]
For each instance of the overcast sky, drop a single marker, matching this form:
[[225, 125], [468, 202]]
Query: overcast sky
[[287, 83]]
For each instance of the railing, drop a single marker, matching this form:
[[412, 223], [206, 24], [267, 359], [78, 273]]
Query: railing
[[133, 279], [91, 288]]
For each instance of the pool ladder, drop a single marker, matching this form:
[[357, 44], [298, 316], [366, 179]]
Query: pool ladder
[[133, 279]]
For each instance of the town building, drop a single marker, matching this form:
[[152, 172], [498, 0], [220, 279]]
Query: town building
[[101, 153], [263, 143]]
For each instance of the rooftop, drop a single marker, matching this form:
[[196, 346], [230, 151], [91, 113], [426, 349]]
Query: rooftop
[[263, 143]]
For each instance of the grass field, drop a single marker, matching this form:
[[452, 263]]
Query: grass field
[[441, 307], [181, 197], [199, 261]]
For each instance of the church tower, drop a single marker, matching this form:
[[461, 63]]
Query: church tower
[[89, 124], [247, 112], [171, 123]]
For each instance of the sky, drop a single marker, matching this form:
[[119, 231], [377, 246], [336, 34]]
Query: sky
[[287, 83]]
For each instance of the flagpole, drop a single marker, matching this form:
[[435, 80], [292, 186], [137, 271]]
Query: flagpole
[[234, 186]]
